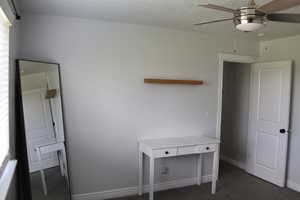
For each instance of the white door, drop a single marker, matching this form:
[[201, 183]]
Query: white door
[[269, 120], [38, 126]]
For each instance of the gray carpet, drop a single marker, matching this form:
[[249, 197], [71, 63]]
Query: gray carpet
[[234, 184], [56, 185]]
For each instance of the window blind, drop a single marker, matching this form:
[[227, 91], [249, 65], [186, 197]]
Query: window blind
[[4, 81]]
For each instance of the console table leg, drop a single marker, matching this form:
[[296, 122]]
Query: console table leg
[[140, 186], [199, 170], [215, 170], [151, 179]]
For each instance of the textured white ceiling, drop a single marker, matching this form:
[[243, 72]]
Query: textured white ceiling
[[177, 14]]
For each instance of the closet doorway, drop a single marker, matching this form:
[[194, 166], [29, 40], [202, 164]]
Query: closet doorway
[[235, 113]]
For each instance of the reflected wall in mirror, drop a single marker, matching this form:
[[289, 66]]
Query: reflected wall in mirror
[[44, 130]]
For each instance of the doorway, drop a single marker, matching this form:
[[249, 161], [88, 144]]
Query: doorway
[[235, 113], [253, 115]]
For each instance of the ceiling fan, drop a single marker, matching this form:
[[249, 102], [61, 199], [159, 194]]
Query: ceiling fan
[[253, 17]]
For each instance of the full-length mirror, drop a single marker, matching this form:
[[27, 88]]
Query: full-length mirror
[[44, 130]]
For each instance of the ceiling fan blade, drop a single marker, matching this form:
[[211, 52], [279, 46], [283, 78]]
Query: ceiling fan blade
[[216, 7], [278, 5], [214, 21], [284, 17]]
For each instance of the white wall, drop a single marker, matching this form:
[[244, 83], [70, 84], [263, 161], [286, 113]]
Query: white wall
[[108, 107], [288, 49], [235, 112]]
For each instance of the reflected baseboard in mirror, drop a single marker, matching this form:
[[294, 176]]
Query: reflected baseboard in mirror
[[40, 88]]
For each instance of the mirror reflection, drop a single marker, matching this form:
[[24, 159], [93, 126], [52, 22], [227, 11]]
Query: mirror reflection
[[44, 130]]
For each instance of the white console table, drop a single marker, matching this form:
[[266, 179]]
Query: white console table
[[168, 147]]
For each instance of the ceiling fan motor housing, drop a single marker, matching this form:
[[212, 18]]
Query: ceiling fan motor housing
[[249, 19]]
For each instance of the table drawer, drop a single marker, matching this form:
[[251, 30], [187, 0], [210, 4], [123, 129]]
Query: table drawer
[[165, 152], [206, 148], [187, 150]]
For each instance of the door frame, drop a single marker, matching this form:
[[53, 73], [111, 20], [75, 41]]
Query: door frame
[[223, 57]]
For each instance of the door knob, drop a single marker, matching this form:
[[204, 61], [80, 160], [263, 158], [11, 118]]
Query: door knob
[[282, 131]]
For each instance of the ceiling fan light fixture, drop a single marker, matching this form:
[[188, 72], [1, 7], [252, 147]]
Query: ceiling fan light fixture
[[249, 27], [249, 24]]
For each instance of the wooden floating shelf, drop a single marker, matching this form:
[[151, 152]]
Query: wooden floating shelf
[[173, 81]]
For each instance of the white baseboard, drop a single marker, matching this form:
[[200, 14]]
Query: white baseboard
[[234, 162], [293, 185], [122, 192]]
